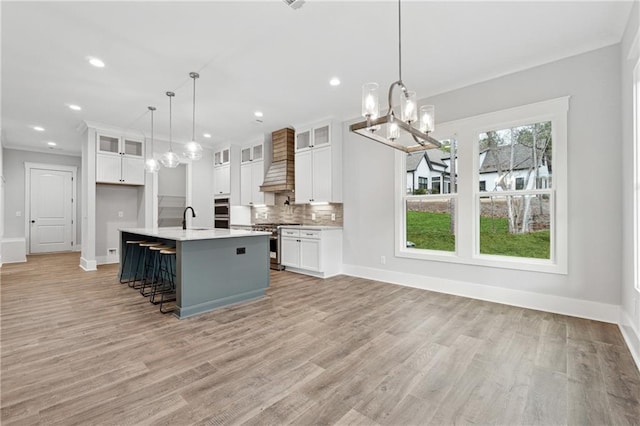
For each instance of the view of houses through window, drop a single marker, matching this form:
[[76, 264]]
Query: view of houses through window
[[514, 193]]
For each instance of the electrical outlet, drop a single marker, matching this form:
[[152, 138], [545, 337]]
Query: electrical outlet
[[383, 260], [264, 215], [120, 214], [18, 214], [333, 216], [257, 215], [313, 216], [112, 251]]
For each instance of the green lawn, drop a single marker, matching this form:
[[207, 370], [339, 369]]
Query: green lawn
[[432, 231]]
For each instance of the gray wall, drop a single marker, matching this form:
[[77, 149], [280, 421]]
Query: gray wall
[[593, 82], [110, 200], [13, 164]]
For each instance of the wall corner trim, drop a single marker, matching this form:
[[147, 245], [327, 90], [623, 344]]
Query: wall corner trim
[[88, 265], [525, 299]]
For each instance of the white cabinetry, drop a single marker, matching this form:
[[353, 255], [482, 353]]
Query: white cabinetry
[[313, 251], [119, 160], [318, 165], [252, 171], [226, 173]]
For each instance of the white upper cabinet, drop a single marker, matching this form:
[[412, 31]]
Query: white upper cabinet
[[226, 173], [252, 172], [318, 165], [119, 160]]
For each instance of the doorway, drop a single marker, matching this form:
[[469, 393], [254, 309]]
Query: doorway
[[50, 207]]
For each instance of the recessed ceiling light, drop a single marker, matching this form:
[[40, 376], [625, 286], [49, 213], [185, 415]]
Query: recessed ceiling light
[[38, 128], [96, 62], [335, 81], [51, 143], [206, 135], [74, 107], [258, 114]]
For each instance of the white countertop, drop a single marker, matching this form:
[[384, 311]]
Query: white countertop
[[315, 227], [179, 234]]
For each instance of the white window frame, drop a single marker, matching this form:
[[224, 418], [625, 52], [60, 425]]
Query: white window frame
[[636, 176], [466, 133]]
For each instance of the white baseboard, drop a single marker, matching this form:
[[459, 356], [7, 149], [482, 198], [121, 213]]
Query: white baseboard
[[631, 335], [88, 265], [14, 250], [525, 299]]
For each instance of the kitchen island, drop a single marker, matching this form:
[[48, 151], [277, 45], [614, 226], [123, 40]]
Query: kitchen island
[[214, 267]]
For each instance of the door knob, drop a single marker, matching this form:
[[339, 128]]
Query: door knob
[[33, 221]]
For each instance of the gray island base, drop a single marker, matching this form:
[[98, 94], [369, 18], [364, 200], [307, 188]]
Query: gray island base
[[214, 267]]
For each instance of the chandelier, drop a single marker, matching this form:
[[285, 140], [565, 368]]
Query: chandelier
[[408, 132]]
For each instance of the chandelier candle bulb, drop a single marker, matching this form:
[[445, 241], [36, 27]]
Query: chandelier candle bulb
[[370, 105], [427, 118], [393, 132], [408, 110]]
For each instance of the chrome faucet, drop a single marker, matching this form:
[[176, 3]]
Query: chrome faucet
[[184, 216]]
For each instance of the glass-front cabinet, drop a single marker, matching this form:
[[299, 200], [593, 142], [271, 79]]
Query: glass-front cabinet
[[119, 160]]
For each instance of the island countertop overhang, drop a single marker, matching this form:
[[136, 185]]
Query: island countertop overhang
[[179, 234]]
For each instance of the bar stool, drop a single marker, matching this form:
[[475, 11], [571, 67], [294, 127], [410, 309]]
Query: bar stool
[[152, 268], [167, 282], [130, 249], [145, 247]]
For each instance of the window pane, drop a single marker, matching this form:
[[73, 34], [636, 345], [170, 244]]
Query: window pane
[[517, 225], [431, 171], [431, 224], [518, 158]]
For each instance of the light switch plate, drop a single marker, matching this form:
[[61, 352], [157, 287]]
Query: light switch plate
[[333, 216], [313, 216]]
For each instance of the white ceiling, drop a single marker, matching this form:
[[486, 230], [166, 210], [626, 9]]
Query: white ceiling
[[262, 55]]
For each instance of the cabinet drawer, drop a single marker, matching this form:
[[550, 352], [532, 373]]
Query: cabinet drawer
[[290, 232], [308, 233]]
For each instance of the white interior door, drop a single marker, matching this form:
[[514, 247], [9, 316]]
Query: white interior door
[[51, 215]]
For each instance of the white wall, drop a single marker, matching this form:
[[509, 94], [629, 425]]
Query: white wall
[[15, 188], [630, 298], [110, 201], [593, 82]]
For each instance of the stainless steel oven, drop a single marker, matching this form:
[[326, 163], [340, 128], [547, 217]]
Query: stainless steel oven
[[221, 213]]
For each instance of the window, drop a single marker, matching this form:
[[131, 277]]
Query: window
[[508, 202], [435, 185], [423, 183], [430, 217]]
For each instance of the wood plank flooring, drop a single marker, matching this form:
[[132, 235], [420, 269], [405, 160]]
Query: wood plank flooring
[[79, 348]]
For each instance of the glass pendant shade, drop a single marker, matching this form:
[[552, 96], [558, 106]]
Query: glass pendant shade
[[170, 159], [152, 165], [192, 150], [427, 118], [370, 104], [408, 107]]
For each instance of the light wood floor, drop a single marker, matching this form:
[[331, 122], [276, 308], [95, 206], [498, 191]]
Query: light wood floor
[[79, 348]]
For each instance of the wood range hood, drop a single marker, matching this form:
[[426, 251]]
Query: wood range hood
[[280, 176]]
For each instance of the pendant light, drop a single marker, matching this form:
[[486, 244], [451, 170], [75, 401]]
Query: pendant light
[[399, 131], [152, 165], [193, 150], [170, 159]]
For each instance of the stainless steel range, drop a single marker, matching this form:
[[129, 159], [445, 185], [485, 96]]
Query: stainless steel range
[[274, 241]]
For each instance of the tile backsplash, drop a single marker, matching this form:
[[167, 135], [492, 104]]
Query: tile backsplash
[[304, 214]]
